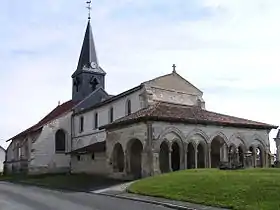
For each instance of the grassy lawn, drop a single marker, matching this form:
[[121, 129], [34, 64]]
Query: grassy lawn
[[253, 189], [73, 182]]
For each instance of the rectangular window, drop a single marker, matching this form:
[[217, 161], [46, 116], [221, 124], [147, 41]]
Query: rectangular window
[[111, 115], [81, 124], [96, 120]]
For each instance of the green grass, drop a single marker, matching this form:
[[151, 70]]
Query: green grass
[[252, 189]]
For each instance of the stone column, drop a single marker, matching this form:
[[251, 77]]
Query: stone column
[[277, 142], [254, 156], [209, 155], [205, 156], [126, 168], [222, 152], [156, 169], [145, 164], [186, 156], [226, 153], [170, 159], [266, 159], [195, 157]]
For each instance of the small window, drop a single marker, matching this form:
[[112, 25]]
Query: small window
[[78, 157], [128, 107], [93, 156], [81, 124], [96, 120], [111, 115]]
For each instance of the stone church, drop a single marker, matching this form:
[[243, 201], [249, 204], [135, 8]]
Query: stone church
[[158, 126]]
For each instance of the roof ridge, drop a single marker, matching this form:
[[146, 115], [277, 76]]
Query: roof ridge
[[240, 118]]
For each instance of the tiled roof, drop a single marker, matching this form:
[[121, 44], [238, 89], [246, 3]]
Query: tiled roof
[[96, 147], [55, 113], [162, 111]]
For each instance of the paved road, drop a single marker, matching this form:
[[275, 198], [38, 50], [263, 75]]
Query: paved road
[[15, 197]]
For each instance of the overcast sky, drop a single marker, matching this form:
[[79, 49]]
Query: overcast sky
[[230, 49]]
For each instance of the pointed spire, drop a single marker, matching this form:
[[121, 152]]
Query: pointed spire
[[88, 57]]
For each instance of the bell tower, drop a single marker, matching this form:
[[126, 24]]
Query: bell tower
[[88, 76]]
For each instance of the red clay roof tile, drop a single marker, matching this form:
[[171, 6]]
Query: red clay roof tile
[[162, 111], [55, 113]]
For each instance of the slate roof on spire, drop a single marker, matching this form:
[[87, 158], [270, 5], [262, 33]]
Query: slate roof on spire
[[88, 54]]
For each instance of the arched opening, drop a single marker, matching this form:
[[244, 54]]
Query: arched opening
[[216, 147], [241, 158], [175, 157], [259, 157], [201, 156], [164, 158], [191, 156], [60, 141], [118, 158], [135, 158]]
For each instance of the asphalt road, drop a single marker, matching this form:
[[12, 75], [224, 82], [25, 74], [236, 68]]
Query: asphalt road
[[19, 197]]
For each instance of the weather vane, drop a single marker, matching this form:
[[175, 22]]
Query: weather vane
[[89, 8]]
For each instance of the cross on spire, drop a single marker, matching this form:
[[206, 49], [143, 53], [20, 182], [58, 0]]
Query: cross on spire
[[174, 68], [89, 8]]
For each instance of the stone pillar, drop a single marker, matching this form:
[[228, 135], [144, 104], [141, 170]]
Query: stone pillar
[[145, 164], [254, 156], [209, 155], [205, 156], [155, 163], [126, 168], [195, 157], [266, 159], [186, 156], [170, 159], [225, 153], [277, 142], [222, 152]]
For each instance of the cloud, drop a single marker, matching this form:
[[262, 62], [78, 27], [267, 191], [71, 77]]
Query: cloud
[[228, 48]]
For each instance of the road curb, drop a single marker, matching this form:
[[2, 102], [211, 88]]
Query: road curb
[[165, 204]]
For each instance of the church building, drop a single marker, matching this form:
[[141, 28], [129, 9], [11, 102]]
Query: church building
[[158, 126]]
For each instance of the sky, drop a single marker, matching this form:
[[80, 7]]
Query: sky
[[228, 48]]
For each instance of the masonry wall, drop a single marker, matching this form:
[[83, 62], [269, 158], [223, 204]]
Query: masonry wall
[[91, 135], [176, 97], [2, 159], [92, 163], [232, 135], [124, 136], [43, 158], [205, 134]]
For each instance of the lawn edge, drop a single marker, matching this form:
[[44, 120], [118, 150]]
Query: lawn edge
[[165, 204]]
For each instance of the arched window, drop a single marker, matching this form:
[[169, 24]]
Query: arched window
[[95, 120], [111, 115], [60, 141], [81, 124], [128, 107]]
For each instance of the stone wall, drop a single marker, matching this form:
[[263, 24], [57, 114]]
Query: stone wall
[[195, 134], [231, 135], [91, 135], [92, 163], [2, 159], [123, 137], [43, 157], [176, 97]]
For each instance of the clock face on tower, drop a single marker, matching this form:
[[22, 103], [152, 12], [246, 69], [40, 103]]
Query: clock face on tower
[[93, 65]]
